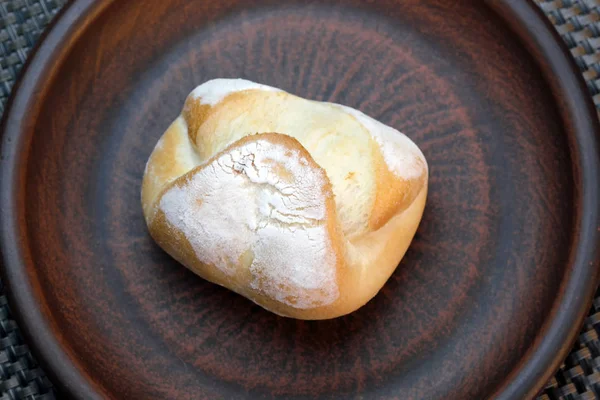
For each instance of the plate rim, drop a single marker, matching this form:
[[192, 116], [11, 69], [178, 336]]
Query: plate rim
[[535, 32]]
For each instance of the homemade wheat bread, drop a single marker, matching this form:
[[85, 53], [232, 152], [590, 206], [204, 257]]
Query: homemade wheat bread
[[304, 207]]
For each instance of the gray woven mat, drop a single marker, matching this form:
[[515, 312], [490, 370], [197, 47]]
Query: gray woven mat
[[21, 23]]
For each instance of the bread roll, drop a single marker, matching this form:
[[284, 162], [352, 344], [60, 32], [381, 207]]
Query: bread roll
[[304, 207]]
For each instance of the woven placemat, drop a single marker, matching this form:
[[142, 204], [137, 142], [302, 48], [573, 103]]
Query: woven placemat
[[22, 22]]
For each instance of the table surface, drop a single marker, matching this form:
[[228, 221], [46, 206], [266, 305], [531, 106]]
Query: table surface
[[22, 22]]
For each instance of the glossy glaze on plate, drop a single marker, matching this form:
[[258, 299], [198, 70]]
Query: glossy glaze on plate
[[498, 274]]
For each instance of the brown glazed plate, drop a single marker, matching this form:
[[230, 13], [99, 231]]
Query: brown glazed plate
[[487, 301]]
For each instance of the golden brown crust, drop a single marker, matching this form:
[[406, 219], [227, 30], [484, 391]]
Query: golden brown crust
[[164, 165], [393, 194], [363, 263], [194, 113]]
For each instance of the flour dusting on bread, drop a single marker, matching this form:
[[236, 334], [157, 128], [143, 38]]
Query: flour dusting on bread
[[263, 198]]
